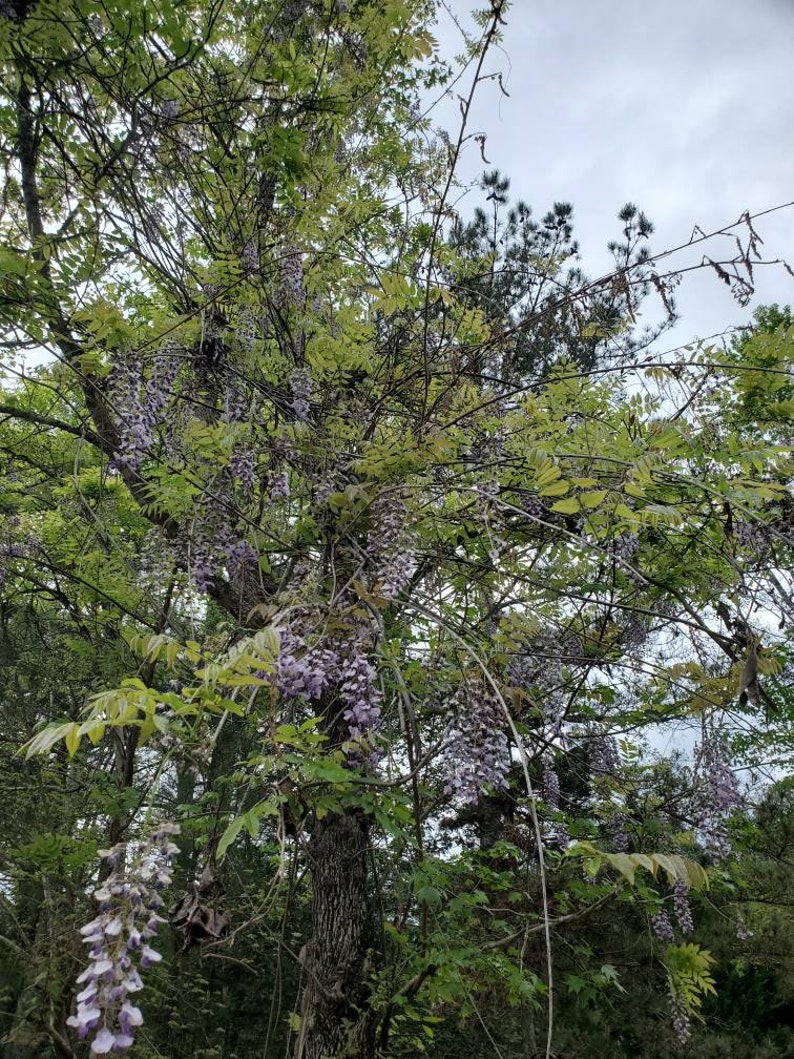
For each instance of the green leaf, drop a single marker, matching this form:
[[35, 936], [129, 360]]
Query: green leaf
[[566, 507], [593, 498], [557, 489], [72, 739], [429, 895], [625, 864], [230, 834]]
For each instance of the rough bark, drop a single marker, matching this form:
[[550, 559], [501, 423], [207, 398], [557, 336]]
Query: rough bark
[[334, 1017]]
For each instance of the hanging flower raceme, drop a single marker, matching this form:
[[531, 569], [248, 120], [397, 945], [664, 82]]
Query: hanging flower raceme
[[620, 838], [604, 754], [662, 927], [132, 423], [300, 383], [359, 692], [279, 487], [476, 754], [243, 469], [306, 671], [551, 785], [118, 938], [291, 289], [680, 1020], [138, 403], [683, 911], [721, 794], [391, 547]]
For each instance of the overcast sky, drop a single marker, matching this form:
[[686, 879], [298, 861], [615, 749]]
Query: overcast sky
[[685, 107]]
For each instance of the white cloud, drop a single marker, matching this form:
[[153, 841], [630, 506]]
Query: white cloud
[[683, 106]]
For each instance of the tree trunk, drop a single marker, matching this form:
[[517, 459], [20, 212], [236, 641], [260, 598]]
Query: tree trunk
[[334, 1017]]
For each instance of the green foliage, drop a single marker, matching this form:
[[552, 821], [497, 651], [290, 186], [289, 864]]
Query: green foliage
[[689, 969]]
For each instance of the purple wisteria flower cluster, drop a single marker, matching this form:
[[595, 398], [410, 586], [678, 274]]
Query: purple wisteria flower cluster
[[620, 837], [300, 383], [390, 547], [683, 910], [556, 829], [235, 402], [476, 754], [542, 662], [662, 927], [204, 551], [291, 290], [118, 939], [753, 536], [604, 754], [359, 691], [721, 794], [625, 545], [240, 556], [681, 1023], [243, 468], [249, 259], [214, 548], [138, 402], [279, 487], [306, 671], [551, 784], [124, 393], [247, 329]]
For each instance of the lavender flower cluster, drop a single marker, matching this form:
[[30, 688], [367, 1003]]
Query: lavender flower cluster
[[662, 927], [138, 403], [680, 1021], [625, 545], [118, 939], [279, 487], [360, 694], [249, 259], [476, 754], [207, 541], [243, 468], [134, 429], [683, 910], [721, 795], [530, 503], [391, 548], [240, 555], [556, 829], [247, 329], [551, 785], [235, 405], [753, 536], [306, 671], [300, 383], [13, 549], [620, 838], [604, 754], [291, 290], [540, 664]]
